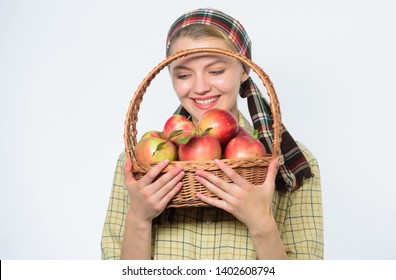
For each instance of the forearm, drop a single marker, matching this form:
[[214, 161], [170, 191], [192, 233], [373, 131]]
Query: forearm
[[267, 242], [136, 244]]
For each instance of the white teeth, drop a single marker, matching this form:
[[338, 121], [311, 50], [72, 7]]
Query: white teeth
[[206, 101]]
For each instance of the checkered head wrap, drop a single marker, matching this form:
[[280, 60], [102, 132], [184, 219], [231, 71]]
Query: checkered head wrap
[[295, 168], [230, 26]]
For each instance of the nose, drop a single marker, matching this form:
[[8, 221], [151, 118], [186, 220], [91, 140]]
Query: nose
[[201, 85]]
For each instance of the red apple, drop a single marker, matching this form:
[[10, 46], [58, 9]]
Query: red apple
[[183, 127], [243, 131], [152, 134], [243, 146], [155, 150], [218, 123], [199, 147]]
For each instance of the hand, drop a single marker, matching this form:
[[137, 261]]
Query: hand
[[149, 198], [251, 204]]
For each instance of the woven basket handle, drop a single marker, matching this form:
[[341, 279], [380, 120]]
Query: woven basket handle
[[130, 132]]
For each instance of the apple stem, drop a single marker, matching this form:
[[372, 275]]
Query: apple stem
[[206, 131]]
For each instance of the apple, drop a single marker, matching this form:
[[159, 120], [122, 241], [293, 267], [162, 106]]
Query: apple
[[243, 146], [179, 126], [154, 150], [200, 147], [242, 131], [218, 123], [152, 134]]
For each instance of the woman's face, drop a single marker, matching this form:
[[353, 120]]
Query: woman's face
[[205, 81]]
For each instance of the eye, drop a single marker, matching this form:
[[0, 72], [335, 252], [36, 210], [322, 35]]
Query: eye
[[182, 76], [217, 72]]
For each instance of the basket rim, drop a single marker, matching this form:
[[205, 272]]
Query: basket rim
[[208, 165], [130, 131]]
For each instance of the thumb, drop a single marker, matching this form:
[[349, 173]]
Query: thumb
[[272, 171], [128, 171]]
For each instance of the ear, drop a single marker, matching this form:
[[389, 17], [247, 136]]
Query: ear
[[245, 76]]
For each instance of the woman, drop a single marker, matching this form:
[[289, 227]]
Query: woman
[[249, 222]]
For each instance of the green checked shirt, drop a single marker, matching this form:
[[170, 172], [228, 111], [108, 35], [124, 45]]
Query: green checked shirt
[[211, 233]]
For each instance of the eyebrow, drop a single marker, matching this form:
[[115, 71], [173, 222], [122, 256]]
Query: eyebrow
[[183, 67]]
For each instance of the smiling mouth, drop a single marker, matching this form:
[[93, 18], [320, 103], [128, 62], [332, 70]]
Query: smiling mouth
[[206, 101]]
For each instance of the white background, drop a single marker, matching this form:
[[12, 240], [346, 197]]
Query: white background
[[68, 70]]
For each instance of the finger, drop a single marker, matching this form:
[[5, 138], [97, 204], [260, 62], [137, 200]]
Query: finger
[[210, 180], [165, 200], [154, 172], [163, 189], [214, 184], [231, 173], [169, 175], [272, 171], [218, 203], [128, 171]]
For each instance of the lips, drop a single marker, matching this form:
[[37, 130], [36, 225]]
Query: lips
[[207, 102]]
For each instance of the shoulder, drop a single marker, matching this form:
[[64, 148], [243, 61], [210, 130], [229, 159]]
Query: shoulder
[[311, 159], [312, 184], [122, 157], [119, 172]]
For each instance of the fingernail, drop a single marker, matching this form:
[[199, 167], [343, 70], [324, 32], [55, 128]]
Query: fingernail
[[277, 163]]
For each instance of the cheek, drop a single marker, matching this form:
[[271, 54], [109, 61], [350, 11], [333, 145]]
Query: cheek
[[228, 85], [181, 88]]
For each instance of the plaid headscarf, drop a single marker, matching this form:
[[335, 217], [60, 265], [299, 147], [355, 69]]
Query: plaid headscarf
[[295, 168]]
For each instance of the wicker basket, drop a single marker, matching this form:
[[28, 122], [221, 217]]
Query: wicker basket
[[254, 169]]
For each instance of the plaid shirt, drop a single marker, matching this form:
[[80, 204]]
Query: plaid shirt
[[210, 233]]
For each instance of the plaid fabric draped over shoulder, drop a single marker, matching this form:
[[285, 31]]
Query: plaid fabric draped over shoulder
[[296, 167]]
